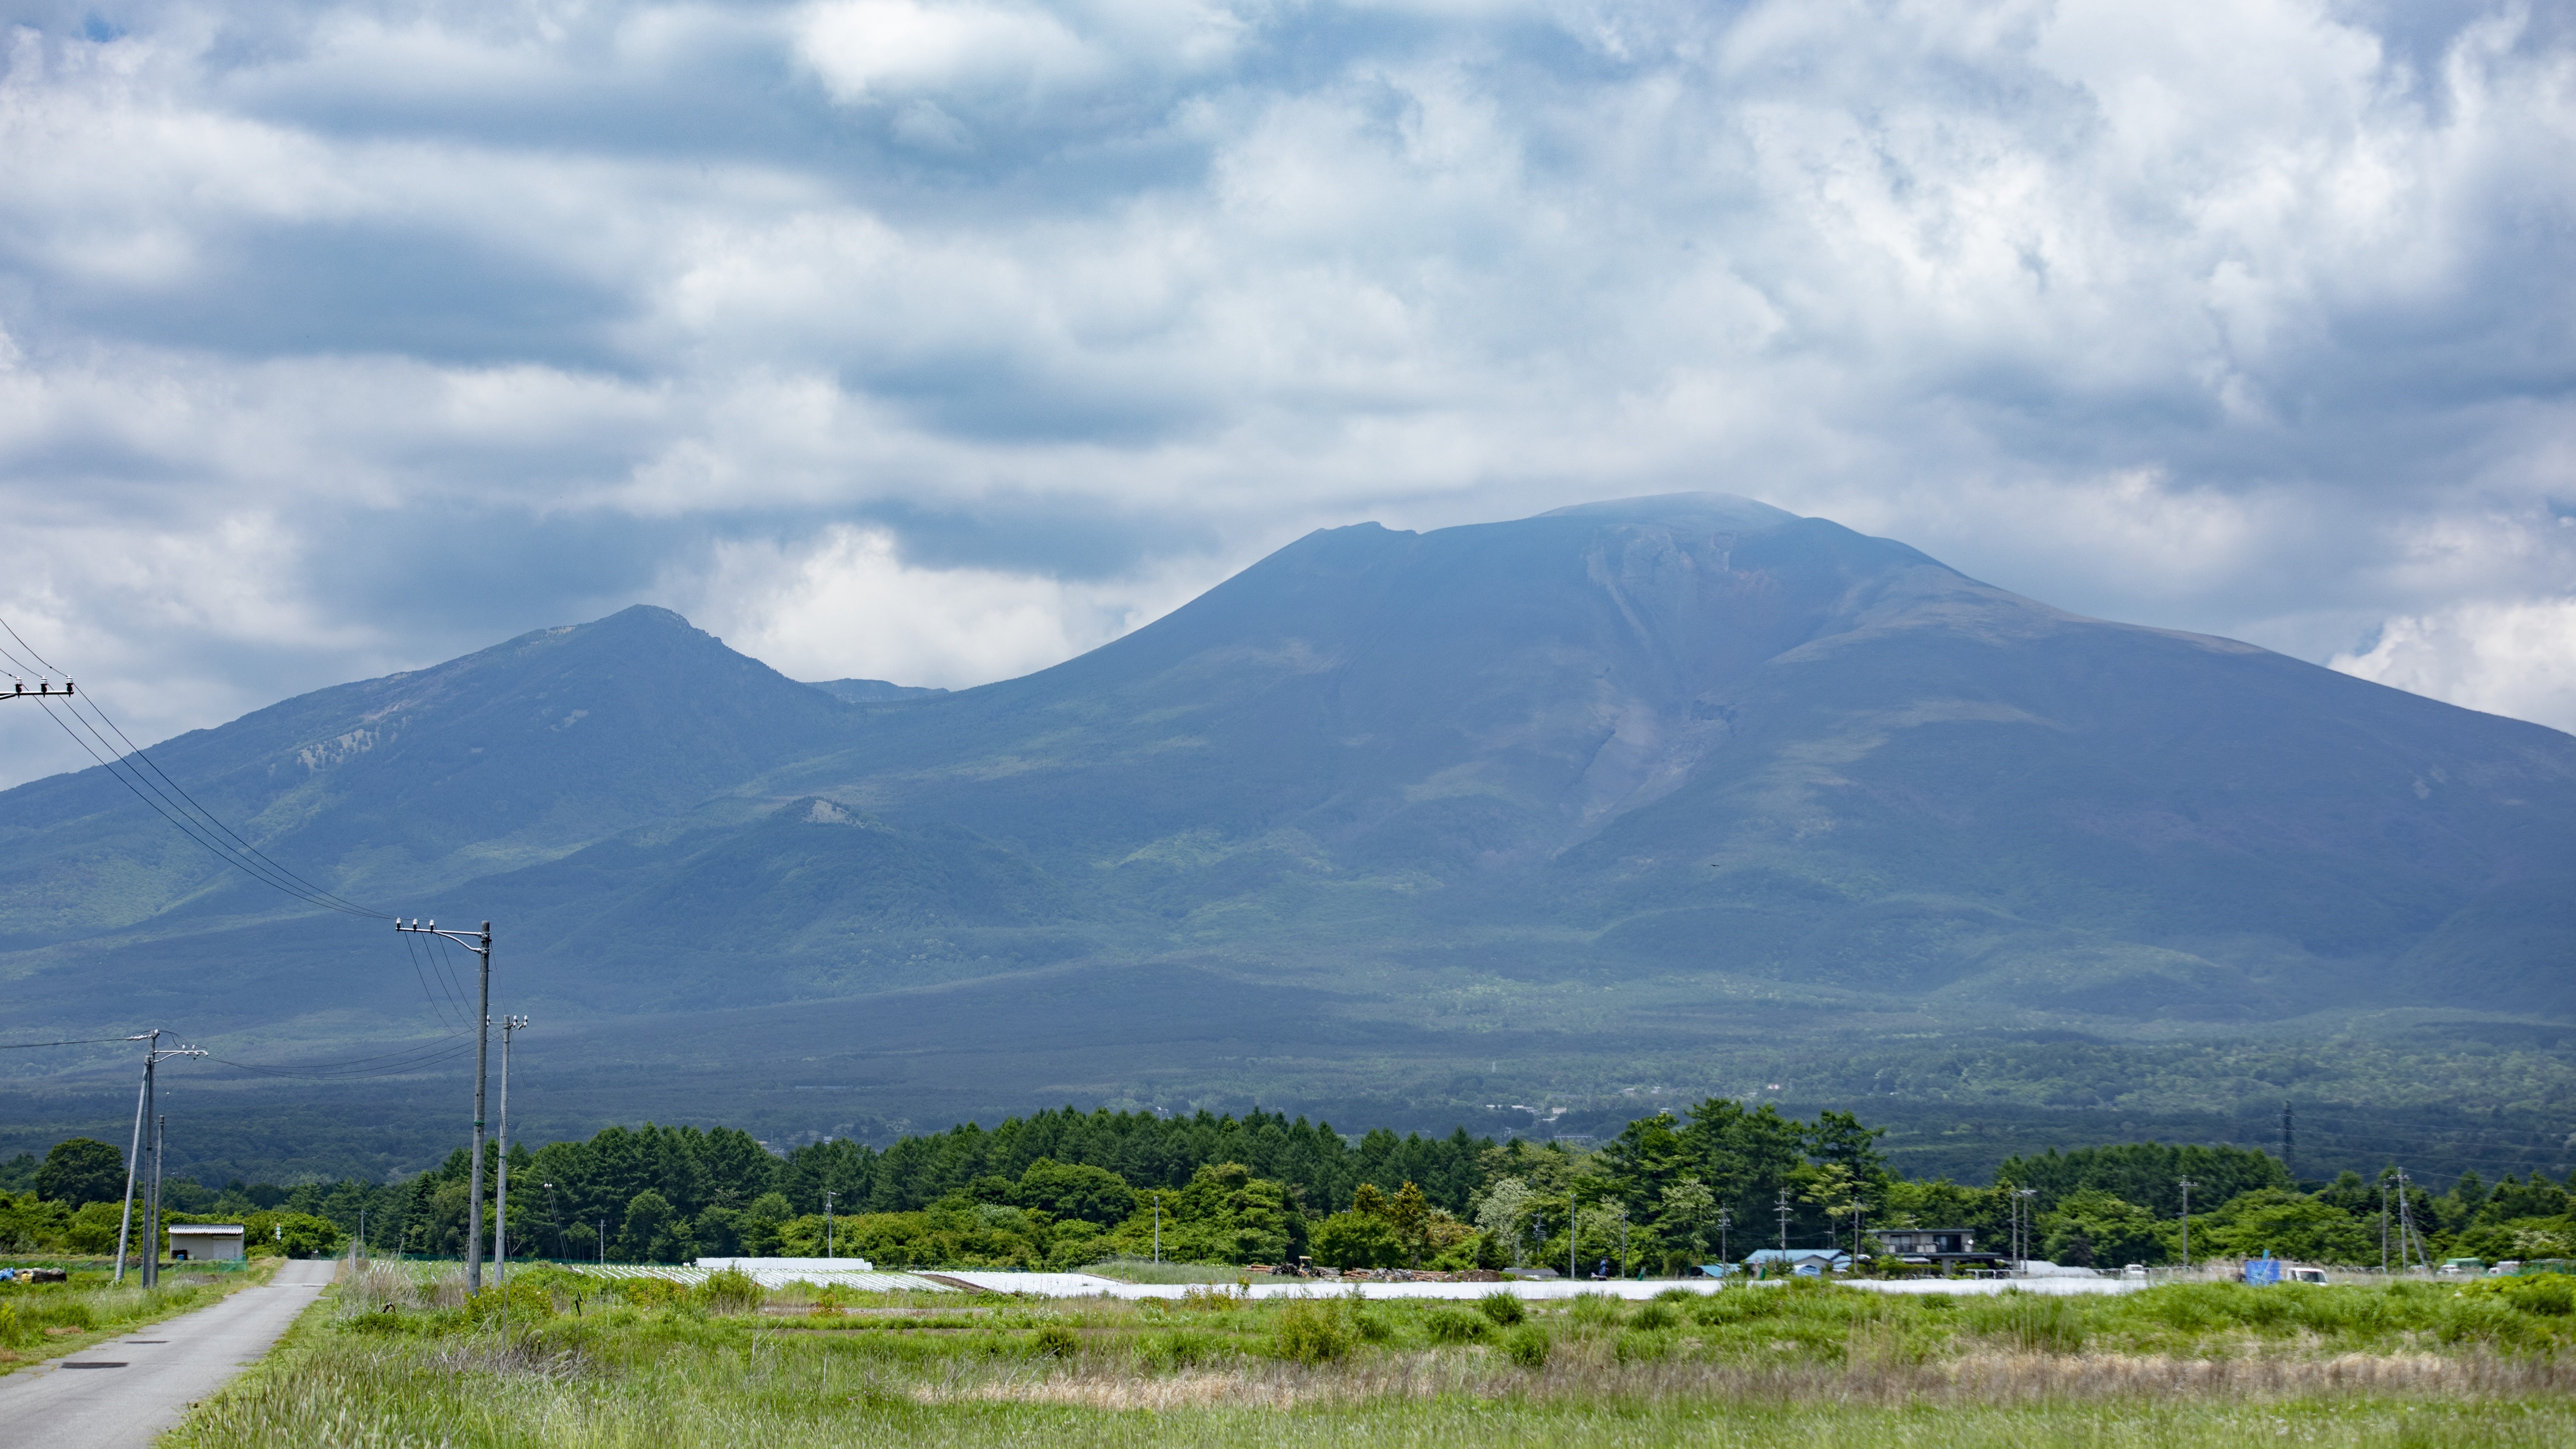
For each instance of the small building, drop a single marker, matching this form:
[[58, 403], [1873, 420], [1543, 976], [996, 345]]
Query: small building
[[1937, 1247], [205, 1242], [1927, 1241], [1799, 1262]]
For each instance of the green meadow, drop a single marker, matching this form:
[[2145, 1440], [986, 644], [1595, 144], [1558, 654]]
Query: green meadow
[[399, 1356]]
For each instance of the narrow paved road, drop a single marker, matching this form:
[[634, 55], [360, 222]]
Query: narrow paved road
[[163, 1368]]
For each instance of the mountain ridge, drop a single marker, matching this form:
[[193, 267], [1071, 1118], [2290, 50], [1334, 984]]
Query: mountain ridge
[[1674, 769]]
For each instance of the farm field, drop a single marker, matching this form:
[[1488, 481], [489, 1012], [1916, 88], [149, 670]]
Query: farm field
[[397, 1356]]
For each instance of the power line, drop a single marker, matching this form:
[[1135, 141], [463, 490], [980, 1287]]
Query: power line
[[20, 1046], [410, 1059], [136, 750], [185, 812], [145, 791]]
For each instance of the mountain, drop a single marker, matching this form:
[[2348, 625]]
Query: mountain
[[875, 691], [1629, 792]]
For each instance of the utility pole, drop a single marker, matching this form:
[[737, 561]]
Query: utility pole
[[501, 1208], [2186, 1184], [1573, 1236], [2289, 1141], [153, 1056], [827, 1222], [152, 1240], [2383, 1224], [480, 943], [1725, 1220], [1783, 1210]]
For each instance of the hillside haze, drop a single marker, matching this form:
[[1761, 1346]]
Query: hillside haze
[[1601, 795]]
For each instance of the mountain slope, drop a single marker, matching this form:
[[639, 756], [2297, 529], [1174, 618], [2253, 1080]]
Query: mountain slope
[[1671, 770], [394, 786]]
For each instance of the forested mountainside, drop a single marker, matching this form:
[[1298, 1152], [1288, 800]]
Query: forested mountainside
[[1629, 795]]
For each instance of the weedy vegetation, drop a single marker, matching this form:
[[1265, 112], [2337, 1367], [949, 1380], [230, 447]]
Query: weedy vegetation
[[40, 1321], [398, 1356]]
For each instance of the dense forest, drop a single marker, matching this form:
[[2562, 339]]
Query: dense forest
[[1060, 1189]]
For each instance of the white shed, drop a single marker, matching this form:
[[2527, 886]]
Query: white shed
[[205, 1242]]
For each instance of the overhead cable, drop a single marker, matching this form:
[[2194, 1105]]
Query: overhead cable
[[174, 804]]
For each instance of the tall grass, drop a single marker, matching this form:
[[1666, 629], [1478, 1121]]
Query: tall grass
[[42, 1320], [1768, 1366]]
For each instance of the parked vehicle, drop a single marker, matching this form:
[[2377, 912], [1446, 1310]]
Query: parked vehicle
[[2134, 1270], [2461, 1267]]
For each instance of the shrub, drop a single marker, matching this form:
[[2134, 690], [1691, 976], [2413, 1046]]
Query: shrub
[[1504, 1309], [1451, 1326], [1735, 1305], [1527, 1346], [651, 1292], [1311, 1332], [1596, 1310], [1653, 1316], [1642, 1347], [1356, 1240], [2035, 1323], [1056, 1341], [1178, 1349], [523, 1302], [1369, 1325], [729, 1291], [1677, 1295]]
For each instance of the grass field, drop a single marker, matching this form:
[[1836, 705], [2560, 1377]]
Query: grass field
[[39, 1321], [638, 1362]]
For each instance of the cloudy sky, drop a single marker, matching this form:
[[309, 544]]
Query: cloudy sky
[[937, 340]]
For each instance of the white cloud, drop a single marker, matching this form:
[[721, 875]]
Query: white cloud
[[2515, 658], [846, 605]]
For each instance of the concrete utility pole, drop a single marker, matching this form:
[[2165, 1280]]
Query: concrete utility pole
[[827, 1222], [2021, 1220], [2187, 1185], [152, 1241], [1783, 1210], [480, 943], [501, 1207], [1725, 1220], [144, 1109]]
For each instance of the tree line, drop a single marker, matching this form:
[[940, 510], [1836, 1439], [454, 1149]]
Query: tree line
[[1063, 1188]]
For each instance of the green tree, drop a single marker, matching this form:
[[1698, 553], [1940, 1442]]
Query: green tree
[[1356, 1240], [2284, 1223], [1503, 1213], [654, 1231], [1224, 1215], [287, 1234], [2096, 1229], [1409, 1214], [1073, 1190], [82, 1170], [1686, 1213], [761, 1223]]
